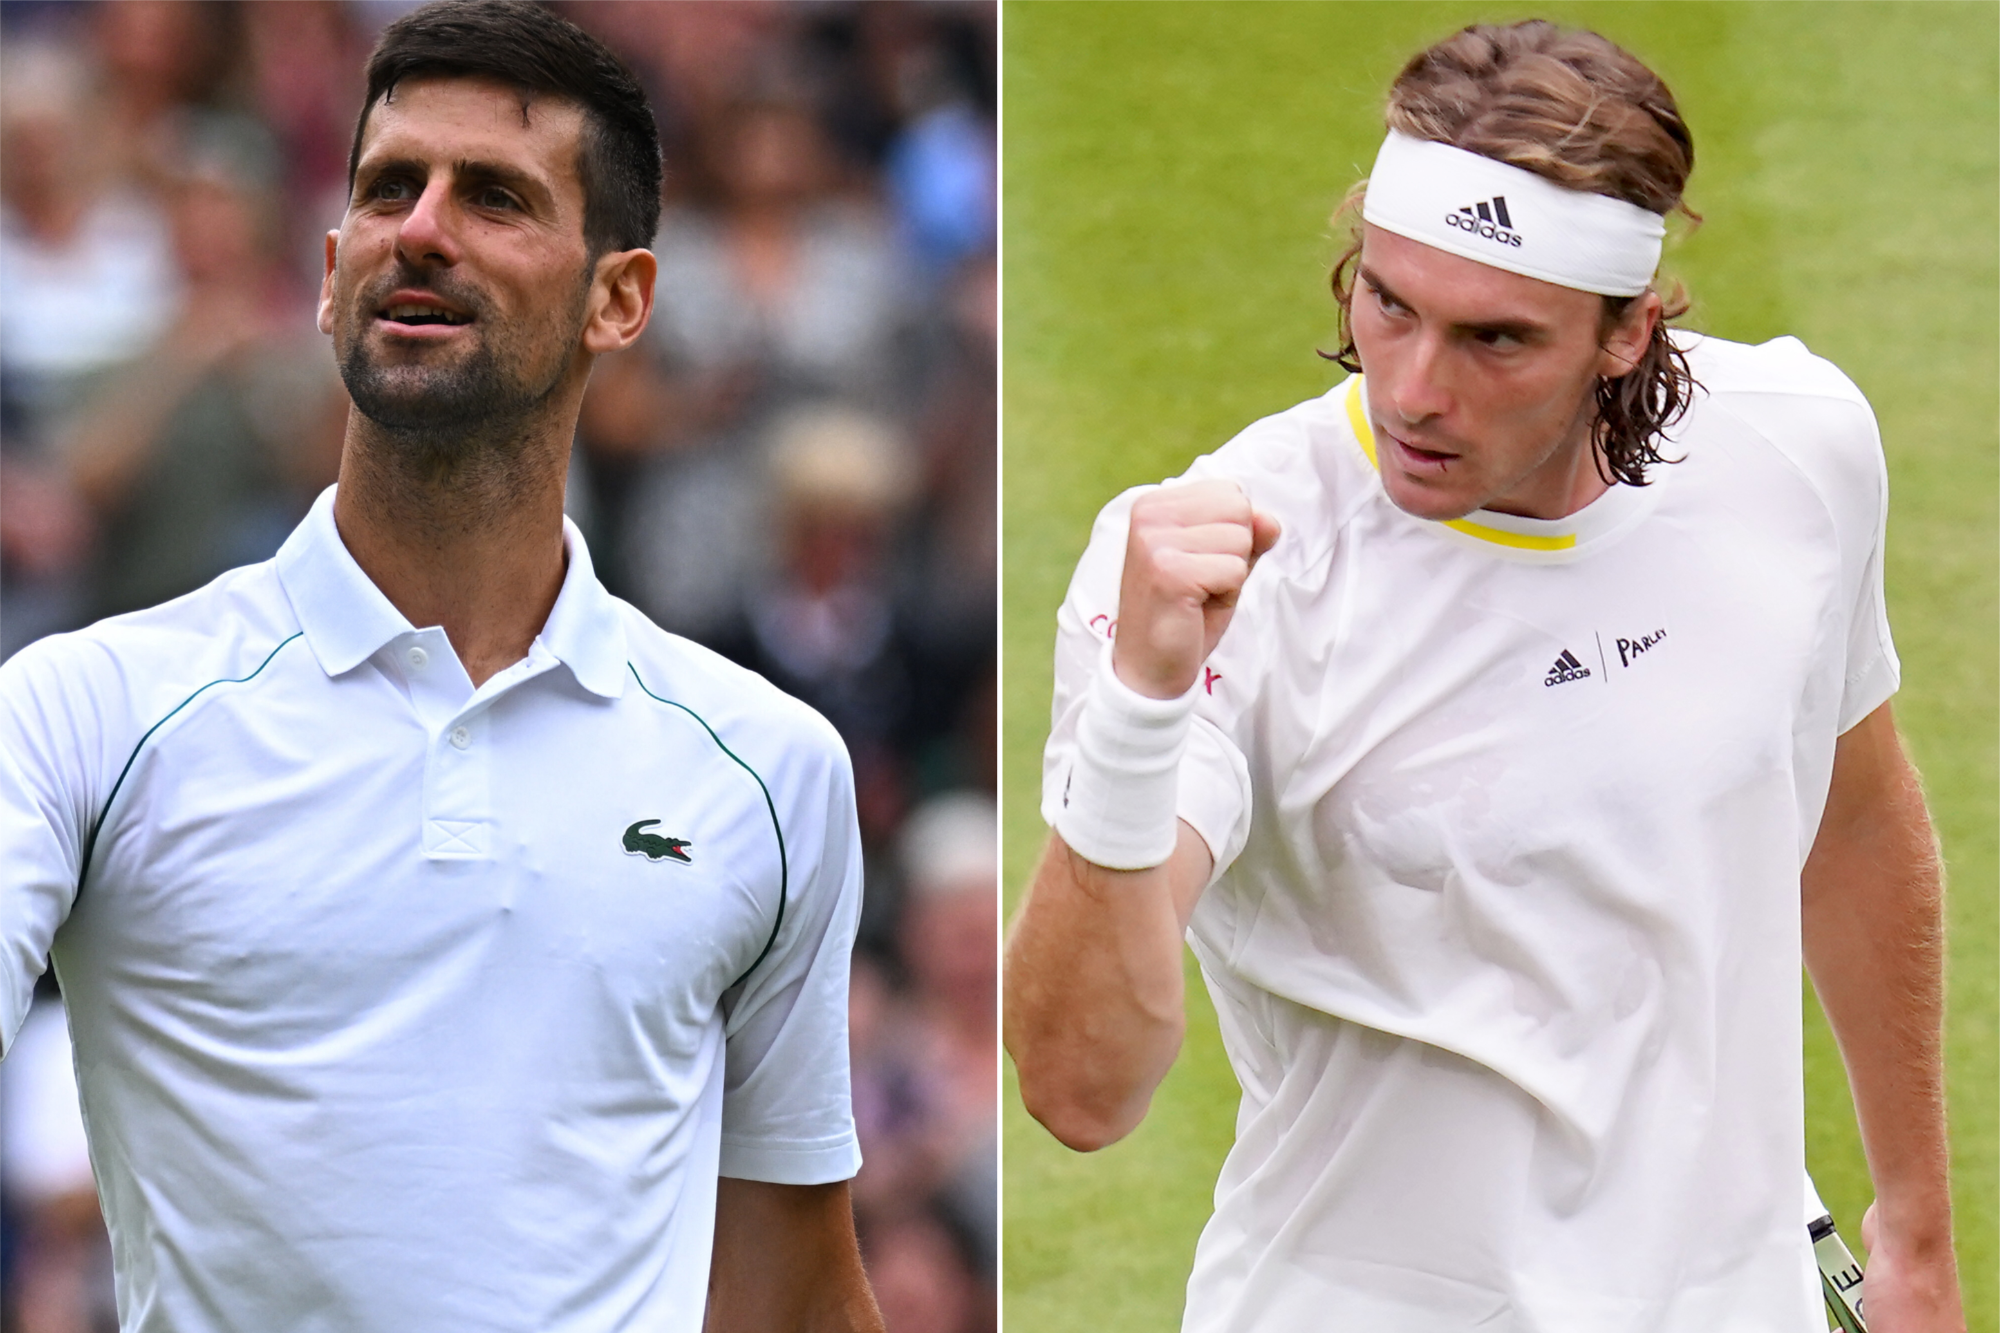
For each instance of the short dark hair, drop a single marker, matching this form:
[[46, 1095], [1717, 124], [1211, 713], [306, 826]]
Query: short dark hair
[[534, 50]]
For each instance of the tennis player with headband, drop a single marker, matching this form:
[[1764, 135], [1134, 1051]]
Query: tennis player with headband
[[1500, 729]]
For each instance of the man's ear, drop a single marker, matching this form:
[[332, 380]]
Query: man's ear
[[1621, 349], [326, 284], [621, 301]]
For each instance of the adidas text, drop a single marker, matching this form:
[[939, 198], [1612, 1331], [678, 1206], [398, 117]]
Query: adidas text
[[1488, 219], [1566, 668]]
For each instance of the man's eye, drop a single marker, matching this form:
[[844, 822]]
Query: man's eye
[[1386, 301], [395, 191], [494, 197]]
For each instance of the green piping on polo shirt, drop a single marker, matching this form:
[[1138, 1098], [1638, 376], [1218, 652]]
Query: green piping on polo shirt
[[769, 804], [90, 843]]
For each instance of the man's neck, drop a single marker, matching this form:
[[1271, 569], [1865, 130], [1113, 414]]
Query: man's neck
[[476, 549], [1569, 480]]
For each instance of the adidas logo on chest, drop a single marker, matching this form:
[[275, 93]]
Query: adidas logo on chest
[[1566, 669], [1569, 667]]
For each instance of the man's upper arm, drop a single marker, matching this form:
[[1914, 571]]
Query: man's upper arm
[[1872, 780], [787, 1110], [47, 740]]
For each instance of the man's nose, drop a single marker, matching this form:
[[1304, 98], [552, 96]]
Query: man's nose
[[429, 234], [1420, 392]]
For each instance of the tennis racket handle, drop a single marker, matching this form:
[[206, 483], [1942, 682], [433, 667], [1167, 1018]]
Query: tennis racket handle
[[1839, 1275]]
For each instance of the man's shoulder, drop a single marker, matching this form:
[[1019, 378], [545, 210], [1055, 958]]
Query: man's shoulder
[[740, 708], [1780, 366], [146, 661], [1779, 396]]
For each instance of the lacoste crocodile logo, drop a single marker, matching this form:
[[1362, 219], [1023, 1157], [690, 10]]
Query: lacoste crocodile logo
[[654, 847]]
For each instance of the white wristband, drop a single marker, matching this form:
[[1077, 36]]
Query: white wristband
[[1118, 806]]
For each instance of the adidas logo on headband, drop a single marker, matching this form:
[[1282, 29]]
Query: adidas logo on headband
[[1481, 220], [1590, 242]]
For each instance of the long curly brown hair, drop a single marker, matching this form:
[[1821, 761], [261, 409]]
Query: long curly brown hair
[[1573, 107]]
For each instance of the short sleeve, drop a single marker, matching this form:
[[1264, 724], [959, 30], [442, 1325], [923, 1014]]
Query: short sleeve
[[1829, 433], [1214, 789], [47, 740], [1873, 671], [787, 1111]]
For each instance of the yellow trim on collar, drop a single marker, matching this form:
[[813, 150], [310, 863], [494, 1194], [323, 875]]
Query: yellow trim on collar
[[1358, 418]]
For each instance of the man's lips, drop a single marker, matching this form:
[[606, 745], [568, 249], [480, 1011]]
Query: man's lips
[[421, 314], [1415, 458]]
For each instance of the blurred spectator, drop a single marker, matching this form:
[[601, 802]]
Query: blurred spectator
[[950, 945], [788, 272], [796, 466], [88, 271], [204, 453], [306, 60], [921, 1279], [87, 279], [50, 1198], [950, 554], [161, 59], [819, 619], [941, 166], [926, 1070]]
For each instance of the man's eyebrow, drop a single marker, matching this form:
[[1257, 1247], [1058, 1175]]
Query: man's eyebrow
[[470, 169], [1374, 279], [499, 173], [378, 166], [1512, 328]]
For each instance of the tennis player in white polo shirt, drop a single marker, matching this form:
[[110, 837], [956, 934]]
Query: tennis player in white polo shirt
[[446, 947], [1500, 799]]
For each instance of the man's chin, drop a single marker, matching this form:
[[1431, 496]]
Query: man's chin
[[406, 402], [403, 392], [1421, 500]]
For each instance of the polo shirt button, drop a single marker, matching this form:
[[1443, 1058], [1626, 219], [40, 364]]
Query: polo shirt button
[[460, 738], [418, 657]]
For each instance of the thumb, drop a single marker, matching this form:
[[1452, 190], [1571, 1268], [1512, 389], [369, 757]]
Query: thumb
[[1868, 1228], [1264, 533]]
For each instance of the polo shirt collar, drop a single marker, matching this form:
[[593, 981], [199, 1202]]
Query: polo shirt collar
[[584, 629], [347, 620]]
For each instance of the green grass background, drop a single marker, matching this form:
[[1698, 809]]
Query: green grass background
[[1168, 174]]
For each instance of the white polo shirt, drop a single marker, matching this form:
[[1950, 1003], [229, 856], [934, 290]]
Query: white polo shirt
[[404, 1005], [1508, 818]]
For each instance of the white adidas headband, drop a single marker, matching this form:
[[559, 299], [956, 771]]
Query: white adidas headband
[[1512, 219]]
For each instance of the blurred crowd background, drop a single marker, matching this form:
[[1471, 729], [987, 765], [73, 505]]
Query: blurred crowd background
[[796, 467]]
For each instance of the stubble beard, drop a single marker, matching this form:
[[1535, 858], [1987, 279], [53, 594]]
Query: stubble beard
[[465, 420]]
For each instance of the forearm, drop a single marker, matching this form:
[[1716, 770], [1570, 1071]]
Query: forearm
[[786, 1261], [1093, 991], [1873, 933]]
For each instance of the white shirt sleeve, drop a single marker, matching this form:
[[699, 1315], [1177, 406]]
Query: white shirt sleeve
[[787, 1112], [1214, 788], [1873, 671], [1830, 435], [49, 734]]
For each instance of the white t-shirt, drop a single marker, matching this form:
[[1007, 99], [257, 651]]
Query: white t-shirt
[[1508, 817], [404, 1005]]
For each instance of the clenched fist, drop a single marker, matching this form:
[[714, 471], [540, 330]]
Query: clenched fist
[[1190, 548]]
